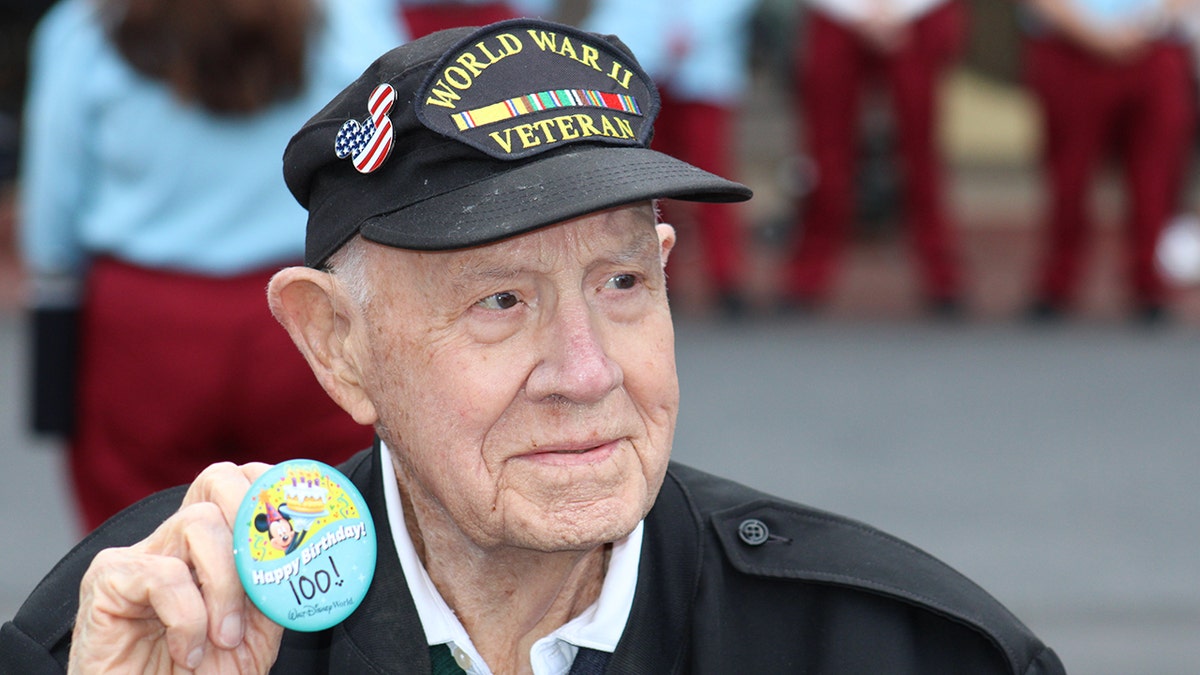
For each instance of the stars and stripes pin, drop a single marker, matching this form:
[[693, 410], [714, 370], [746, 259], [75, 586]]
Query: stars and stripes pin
[[368, 143]]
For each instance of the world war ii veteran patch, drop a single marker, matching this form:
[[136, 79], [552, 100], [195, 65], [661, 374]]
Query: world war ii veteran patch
[[587, 92]]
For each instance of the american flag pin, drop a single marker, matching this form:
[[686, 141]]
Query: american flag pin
[[369, 142]]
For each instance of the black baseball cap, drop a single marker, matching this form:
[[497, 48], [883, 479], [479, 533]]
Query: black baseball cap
[[472, 135]]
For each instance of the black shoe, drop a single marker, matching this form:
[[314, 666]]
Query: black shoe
[[946, 308], [1044, 312], [732, 306], [795, 306], [1151, 315]]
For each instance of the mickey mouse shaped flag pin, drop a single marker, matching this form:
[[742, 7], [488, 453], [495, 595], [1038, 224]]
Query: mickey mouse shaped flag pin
[[369, 142]]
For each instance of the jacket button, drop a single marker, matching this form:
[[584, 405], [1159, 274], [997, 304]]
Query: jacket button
[[753, 532]]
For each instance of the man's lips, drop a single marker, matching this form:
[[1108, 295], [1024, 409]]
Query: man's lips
[[569, 453]]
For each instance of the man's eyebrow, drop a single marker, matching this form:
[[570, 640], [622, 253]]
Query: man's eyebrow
[[642, 247], [471, 269], [644, 244], [467, 274], [487, 269]]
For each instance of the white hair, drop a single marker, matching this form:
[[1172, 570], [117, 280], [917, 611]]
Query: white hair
[[349, 266]]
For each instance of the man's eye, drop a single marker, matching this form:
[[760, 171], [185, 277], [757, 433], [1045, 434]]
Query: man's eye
[[504, 300], [622, 282]]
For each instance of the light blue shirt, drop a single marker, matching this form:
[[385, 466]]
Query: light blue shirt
[[1113, 13], [116, 165], [699, 49], [521, 7]]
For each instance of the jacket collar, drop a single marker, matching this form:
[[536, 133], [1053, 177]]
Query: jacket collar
[[385, 631], [656, 636]]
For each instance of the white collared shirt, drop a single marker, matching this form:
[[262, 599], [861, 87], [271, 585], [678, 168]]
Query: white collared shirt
[[599, 627]]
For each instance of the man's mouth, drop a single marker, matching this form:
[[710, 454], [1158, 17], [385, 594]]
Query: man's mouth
[[568, 453]]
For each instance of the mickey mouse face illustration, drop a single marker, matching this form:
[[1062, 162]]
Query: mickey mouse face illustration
[[281, 534], [368, 143], [278, 527]]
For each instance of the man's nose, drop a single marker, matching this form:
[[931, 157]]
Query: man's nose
[[575, 363]]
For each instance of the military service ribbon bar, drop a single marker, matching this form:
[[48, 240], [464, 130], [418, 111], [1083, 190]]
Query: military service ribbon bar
[[546, 100]]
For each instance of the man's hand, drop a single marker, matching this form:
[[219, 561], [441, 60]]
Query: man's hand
[[884, 31], [1119, 44], [173, 602]]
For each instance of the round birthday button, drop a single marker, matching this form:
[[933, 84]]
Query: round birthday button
[[304, 545]]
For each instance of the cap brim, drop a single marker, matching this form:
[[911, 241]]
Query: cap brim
[[544, 192]]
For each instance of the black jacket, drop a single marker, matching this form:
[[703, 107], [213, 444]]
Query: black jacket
[[731, 581]]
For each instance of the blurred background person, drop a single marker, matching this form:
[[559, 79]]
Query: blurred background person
[[1110, 76], [151, 198], [698, 54], [910, 45], [1178, 249], [17, 19]]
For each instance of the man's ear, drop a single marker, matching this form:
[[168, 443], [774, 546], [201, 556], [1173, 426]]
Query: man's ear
[[325, 325], [666, 240]]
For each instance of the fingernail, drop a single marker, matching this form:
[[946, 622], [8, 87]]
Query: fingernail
[[231, 630], [194, 659]]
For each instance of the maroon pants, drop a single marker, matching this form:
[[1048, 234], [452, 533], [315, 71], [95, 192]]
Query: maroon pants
[[833, 63], [180, 371], [421, 20], [1144, 112], [702, 134]]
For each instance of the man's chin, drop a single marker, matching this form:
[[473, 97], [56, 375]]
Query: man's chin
[[583, 529]]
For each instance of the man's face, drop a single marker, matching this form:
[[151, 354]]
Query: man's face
[[528, 387]]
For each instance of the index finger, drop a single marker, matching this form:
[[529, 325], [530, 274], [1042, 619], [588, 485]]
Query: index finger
[[224, 484], [198, 536]]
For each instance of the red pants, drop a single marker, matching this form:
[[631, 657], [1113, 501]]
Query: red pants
[[422, 20], [702, 134], [833, 63], [180, 371], [1144, 111]]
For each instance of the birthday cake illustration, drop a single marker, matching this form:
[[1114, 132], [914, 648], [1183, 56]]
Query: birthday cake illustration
[[304, 494]]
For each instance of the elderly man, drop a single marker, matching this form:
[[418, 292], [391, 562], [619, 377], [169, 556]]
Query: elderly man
[[484, 285]]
